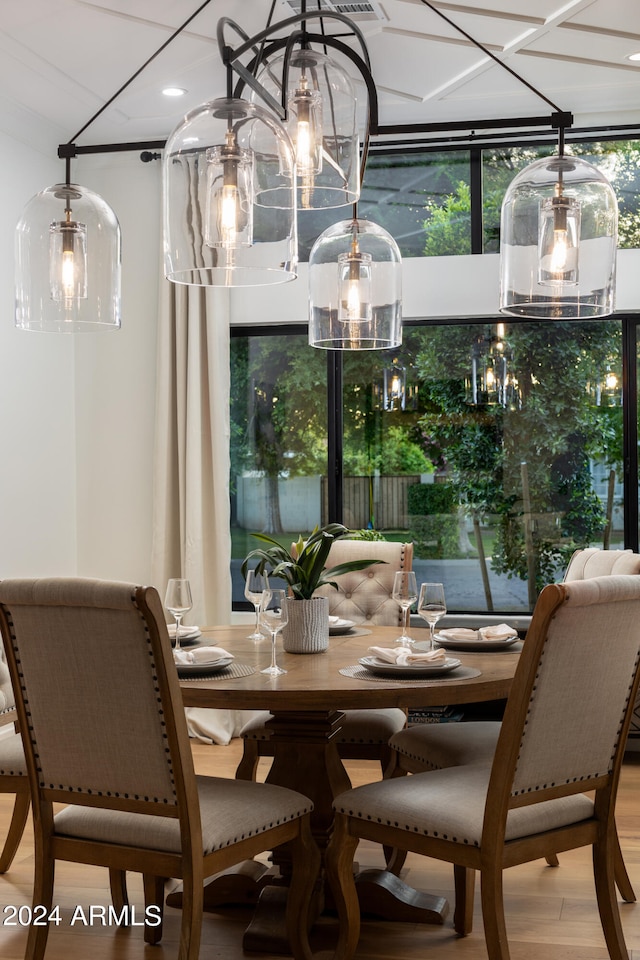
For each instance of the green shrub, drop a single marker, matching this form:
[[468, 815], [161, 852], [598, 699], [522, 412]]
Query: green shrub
[[430, 498], [433, 520]]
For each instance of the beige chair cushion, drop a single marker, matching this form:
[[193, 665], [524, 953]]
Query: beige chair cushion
[[230, 810], [7, 699], [438, 745], [12, 762], [439, 806]]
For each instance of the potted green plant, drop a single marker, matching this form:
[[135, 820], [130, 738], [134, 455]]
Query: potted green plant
[[303, 568]]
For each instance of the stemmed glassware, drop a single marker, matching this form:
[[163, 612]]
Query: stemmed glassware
[[432, 606], [254, 587], [177, 600], [273, 617], [405, 594]]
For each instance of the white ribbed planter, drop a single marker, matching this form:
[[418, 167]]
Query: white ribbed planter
[[307, 629]]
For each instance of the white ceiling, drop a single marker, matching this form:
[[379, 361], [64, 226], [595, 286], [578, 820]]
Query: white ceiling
[[61, 60]]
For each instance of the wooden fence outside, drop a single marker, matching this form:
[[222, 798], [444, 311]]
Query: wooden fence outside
[[379, 500]]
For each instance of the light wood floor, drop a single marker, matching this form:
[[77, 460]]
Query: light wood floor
[[551, 913]]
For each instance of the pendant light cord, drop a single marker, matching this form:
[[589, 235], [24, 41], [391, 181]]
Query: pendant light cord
[[139, 71]]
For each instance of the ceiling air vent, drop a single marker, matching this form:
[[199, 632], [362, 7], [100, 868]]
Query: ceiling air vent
[[356, 9]]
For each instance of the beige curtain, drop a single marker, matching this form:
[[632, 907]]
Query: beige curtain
[[191, 535]]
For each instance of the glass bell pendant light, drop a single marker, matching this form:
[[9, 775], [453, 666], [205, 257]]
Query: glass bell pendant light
[[322, 123], [355, 288], [68, 262], [558, 242], [229, 197]]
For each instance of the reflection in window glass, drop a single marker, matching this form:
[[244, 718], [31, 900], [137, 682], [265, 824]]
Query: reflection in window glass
[[619, 160], [501, 457], [278, 441], [422, 199]]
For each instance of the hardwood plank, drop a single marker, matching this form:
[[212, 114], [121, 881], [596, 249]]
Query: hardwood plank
[[551, 912]]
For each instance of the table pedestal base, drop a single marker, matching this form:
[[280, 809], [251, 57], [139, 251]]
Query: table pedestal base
[[381, 894], [240, 885], [305, 758]]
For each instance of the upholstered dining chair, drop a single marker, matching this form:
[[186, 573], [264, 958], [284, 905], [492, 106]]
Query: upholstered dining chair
[[14, 779], [434, 746], [13, 770], [364, 596], [532, 800], [132, 803]]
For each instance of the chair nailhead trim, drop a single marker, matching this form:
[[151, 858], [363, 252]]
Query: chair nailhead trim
[[88, 791], [407, 827]]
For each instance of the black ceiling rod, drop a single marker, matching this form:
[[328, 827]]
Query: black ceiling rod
[[138, 72]]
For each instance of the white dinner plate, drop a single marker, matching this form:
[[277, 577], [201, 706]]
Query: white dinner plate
[[475, 646], [383, 668], [186, 670], [338, 626], [193, 640], [186, 632]]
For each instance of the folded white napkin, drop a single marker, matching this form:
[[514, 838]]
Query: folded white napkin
[[499, 631], [201, 655], [404, 656], [333, 619], [459, 633], [185, 631]]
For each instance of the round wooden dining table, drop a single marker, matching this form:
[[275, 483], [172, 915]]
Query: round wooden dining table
[[307, 704]]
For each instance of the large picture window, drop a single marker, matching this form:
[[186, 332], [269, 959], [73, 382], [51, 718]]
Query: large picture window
[[496, 449]]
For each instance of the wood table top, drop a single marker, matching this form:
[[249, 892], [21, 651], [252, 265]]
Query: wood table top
[[313, 681]]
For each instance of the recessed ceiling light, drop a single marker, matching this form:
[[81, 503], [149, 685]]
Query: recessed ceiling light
[[174, 91], [634, 56]]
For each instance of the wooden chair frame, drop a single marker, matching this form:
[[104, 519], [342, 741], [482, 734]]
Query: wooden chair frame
[[19, 785], [494, 853], [190, 864]]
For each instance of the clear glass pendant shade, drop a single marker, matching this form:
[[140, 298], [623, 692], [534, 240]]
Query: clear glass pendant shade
[[355, 288], [558, 242], [68, 262], [229, 198], [322, 124]]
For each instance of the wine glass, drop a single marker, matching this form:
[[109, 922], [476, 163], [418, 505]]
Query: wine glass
[[432, 606], [405, 594], [178, 601], [273, 617], [254, 587]]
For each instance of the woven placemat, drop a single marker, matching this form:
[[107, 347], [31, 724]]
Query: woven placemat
[[232, 672], [352, 632], [361, 673]]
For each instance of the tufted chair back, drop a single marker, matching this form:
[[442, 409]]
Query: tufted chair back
[[365, 595], [593, 562]]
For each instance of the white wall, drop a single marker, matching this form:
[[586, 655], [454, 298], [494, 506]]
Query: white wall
[[115, 383], [463, 287], [37, 420]]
